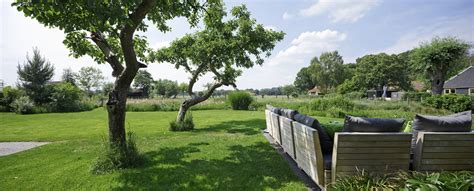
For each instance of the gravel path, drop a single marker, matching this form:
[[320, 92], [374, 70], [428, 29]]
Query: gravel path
[[7, 148]]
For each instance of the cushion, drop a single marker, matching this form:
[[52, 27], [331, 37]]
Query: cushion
[[459, 122], [276, 110], [324, 139], [289, 113], [364, 124]]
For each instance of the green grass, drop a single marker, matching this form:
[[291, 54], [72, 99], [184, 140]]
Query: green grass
[[225, 151]]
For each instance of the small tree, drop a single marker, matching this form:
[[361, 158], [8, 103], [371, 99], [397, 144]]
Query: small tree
[[288, 90], [89, 78], [182, 88], [438, 58], [220, 49], [304, 80], [69, 76], [34, 75], [166, 88], [144, 81]]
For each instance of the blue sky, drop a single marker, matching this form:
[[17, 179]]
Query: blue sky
[[353, 27]]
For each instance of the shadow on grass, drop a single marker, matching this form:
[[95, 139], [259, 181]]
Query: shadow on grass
[[245, 168], [248, 127]]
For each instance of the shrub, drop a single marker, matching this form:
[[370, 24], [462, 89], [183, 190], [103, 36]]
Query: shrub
[[10, 94], [338, 102], [23, 105], [186, 125], [240, 100], [355, 95], [66, 98], [114, 158], [451, 102]]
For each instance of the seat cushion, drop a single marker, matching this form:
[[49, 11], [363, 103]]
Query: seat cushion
[[289, 113], [324, 139], [327, 161], [276, 110], [364, 124], [459, 122]]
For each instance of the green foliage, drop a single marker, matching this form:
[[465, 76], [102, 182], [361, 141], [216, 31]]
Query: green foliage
[[355, 95], [415, 96], [405, 181], [10, 94], [23, 105], [143, 80], [66, 98], [186, 125], [166, 88], [89, 78], [33, 76], [328, 70], [451, 102], [69, 76], [376, 71], [335, 102], [304, 80], [113, 158], [439, 59], [289, 90], [239, 100]]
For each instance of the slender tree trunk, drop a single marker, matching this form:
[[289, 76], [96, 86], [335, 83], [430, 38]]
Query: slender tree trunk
[[182, 111], [116, 112]]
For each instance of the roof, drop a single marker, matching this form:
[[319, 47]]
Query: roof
[[464, 79], [314, 90]]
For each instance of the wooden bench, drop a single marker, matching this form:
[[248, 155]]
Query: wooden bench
[[287, 138], [275, 120], [308, 152], [449, 151], [375, 153]]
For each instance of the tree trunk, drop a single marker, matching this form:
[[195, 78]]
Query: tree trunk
[[182, 111], [116, 112], [437, 84]]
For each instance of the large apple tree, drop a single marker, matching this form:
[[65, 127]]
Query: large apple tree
[[105, 31], [222, 48]]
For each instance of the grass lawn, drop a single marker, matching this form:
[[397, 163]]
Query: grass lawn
[[225, 151]]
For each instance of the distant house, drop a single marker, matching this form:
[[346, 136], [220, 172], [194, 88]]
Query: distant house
[[315, 91], [462, 83]]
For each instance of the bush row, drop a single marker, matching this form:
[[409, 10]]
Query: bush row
[[451, 102]]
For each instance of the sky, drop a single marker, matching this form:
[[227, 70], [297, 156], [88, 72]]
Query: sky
[[352, 27]]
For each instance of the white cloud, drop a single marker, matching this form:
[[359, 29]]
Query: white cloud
[[287, 16], [340, 10], [307, 45]]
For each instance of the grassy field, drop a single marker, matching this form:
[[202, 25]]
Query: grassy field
[[226, 151]]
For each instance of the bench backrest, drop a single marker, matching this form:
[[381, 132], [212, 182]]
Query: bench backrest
[[449, 151], [287, 137], [268, 120], [308, 152], [375, 153], [276, 127]]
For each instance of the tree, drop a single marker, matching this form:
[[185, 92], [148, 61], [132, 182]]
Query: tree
[[304, 80], [69, 76], [166, 88], [377, 71], [328, 70], [221, 48], [288, 90], [34, 75], [89, 78], [105, 31], [144, 81], [438, 58], [183, 87]]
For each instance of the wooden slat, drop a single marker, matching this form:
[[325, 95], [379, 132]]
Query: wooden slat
[[448, 149], [380, 168], [373, 156], [443, 143], [363, 143], [445, 167], [343, 137], [372, 162], [287, 136], [447, 161], [448, 156], [373, 150], [454, 137], [276, 127]]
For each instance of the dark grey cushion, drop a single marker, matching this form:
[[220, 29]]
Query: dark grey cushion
[[276, 110], [324, 139], [364, 124], [459, 122], [289, 113]]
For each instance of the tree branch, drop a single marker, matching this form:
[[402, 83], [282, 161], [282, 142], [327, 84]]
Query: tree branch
[[111, 58], [194, 78]]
